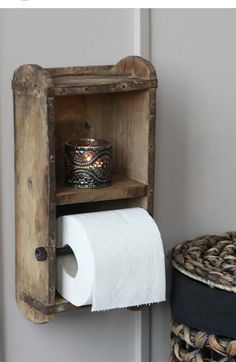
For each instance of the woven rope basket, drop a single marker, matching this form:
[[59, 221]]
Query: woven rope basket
[[190, 345], [210, 259]]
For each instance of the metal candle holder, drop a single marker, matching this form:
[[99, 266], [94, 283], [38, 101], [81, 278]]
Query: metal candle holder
[[88, 163]]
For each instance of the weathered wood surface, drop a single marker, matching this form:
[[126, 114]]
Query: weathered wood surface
[[146, 120], [34, 181], [72, 85], [117, 103], [151, 149], [45, 312], [84, 70], [138, 66], [132, 73], [121, 188], [80, 116]]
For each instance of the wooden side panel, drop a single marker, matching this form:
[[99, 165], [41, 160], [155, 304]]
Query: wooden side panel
[[130, 117], [141, 67], [152, 143], [35, 211]]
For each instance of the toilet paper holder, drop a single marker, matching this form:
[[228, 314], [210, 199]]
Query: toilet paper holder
[[48, 101], [41, 252]]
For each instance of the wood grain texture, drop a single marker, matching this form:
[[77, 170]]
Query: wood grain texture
[[80, 116], [33, 189], [133, 73], [138, 66], [146, 120], [151, 149], [53, 106], [85, 70], [124, 119], [121, 188], [41, 311], [72, 85]]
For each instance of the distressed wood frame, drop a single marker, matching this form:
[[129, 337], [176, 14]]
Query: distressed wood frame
[[38, 95]]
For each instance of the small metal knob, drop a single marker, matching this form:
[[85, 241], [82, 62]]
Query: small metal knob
[[41, 254]]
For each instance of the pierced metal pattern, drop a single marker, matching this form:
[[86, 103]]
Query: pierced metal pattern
[[88, 163]]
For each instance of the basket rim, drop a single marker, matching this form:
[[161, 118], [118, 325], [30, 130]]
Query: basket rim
[[209, 259]]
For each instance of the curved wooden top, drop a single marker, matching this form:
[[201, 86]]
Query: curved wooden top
[[129, 74]]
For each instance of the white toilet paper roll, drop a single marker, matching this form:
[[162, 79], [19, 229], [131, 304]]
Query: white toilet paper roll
[[118, 259]]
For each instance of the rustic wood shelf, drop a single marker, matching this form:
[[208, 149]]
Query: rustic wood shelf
[[62, 305], [81, 84], [121, 188], [51, 107]]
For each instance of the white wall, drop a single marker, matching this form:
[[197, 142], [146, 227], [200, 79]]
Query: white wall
[[56, 38], [194, 52]]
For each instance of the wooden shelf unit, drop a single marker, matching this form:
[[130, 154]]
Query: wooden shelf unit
[[52, 106]]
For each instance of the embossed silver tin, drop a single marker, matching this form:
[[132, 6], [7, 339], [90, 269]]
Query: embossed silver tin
[[88, 163]]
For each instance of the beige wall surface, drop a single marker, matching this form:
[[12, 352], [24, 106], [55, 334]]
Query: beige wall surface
[[55, 38], [194, 52]]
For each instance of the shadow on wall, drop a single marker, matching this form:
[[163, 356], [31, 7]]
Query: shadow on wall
[[171, 181], [1, 233], [1, 277], [172, 162]]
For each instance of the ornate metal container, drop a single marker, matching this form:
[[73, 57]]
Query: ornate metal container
[[88, 163]]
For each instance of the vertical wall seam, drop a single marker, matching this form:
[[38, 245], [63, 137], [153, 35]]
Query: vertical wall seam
[[142, 325]]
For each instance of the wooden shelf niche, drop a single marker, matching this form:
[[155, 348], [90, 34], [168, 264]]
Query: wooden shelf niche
[[52, 106]]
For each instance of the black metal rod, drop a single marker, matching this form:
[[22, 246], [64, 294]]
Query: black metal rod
[[65, 250], [41, 253]]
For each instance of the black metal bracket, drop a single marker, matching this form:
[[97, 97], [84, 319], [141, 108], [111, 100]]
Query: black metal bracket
[[41, 252]]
